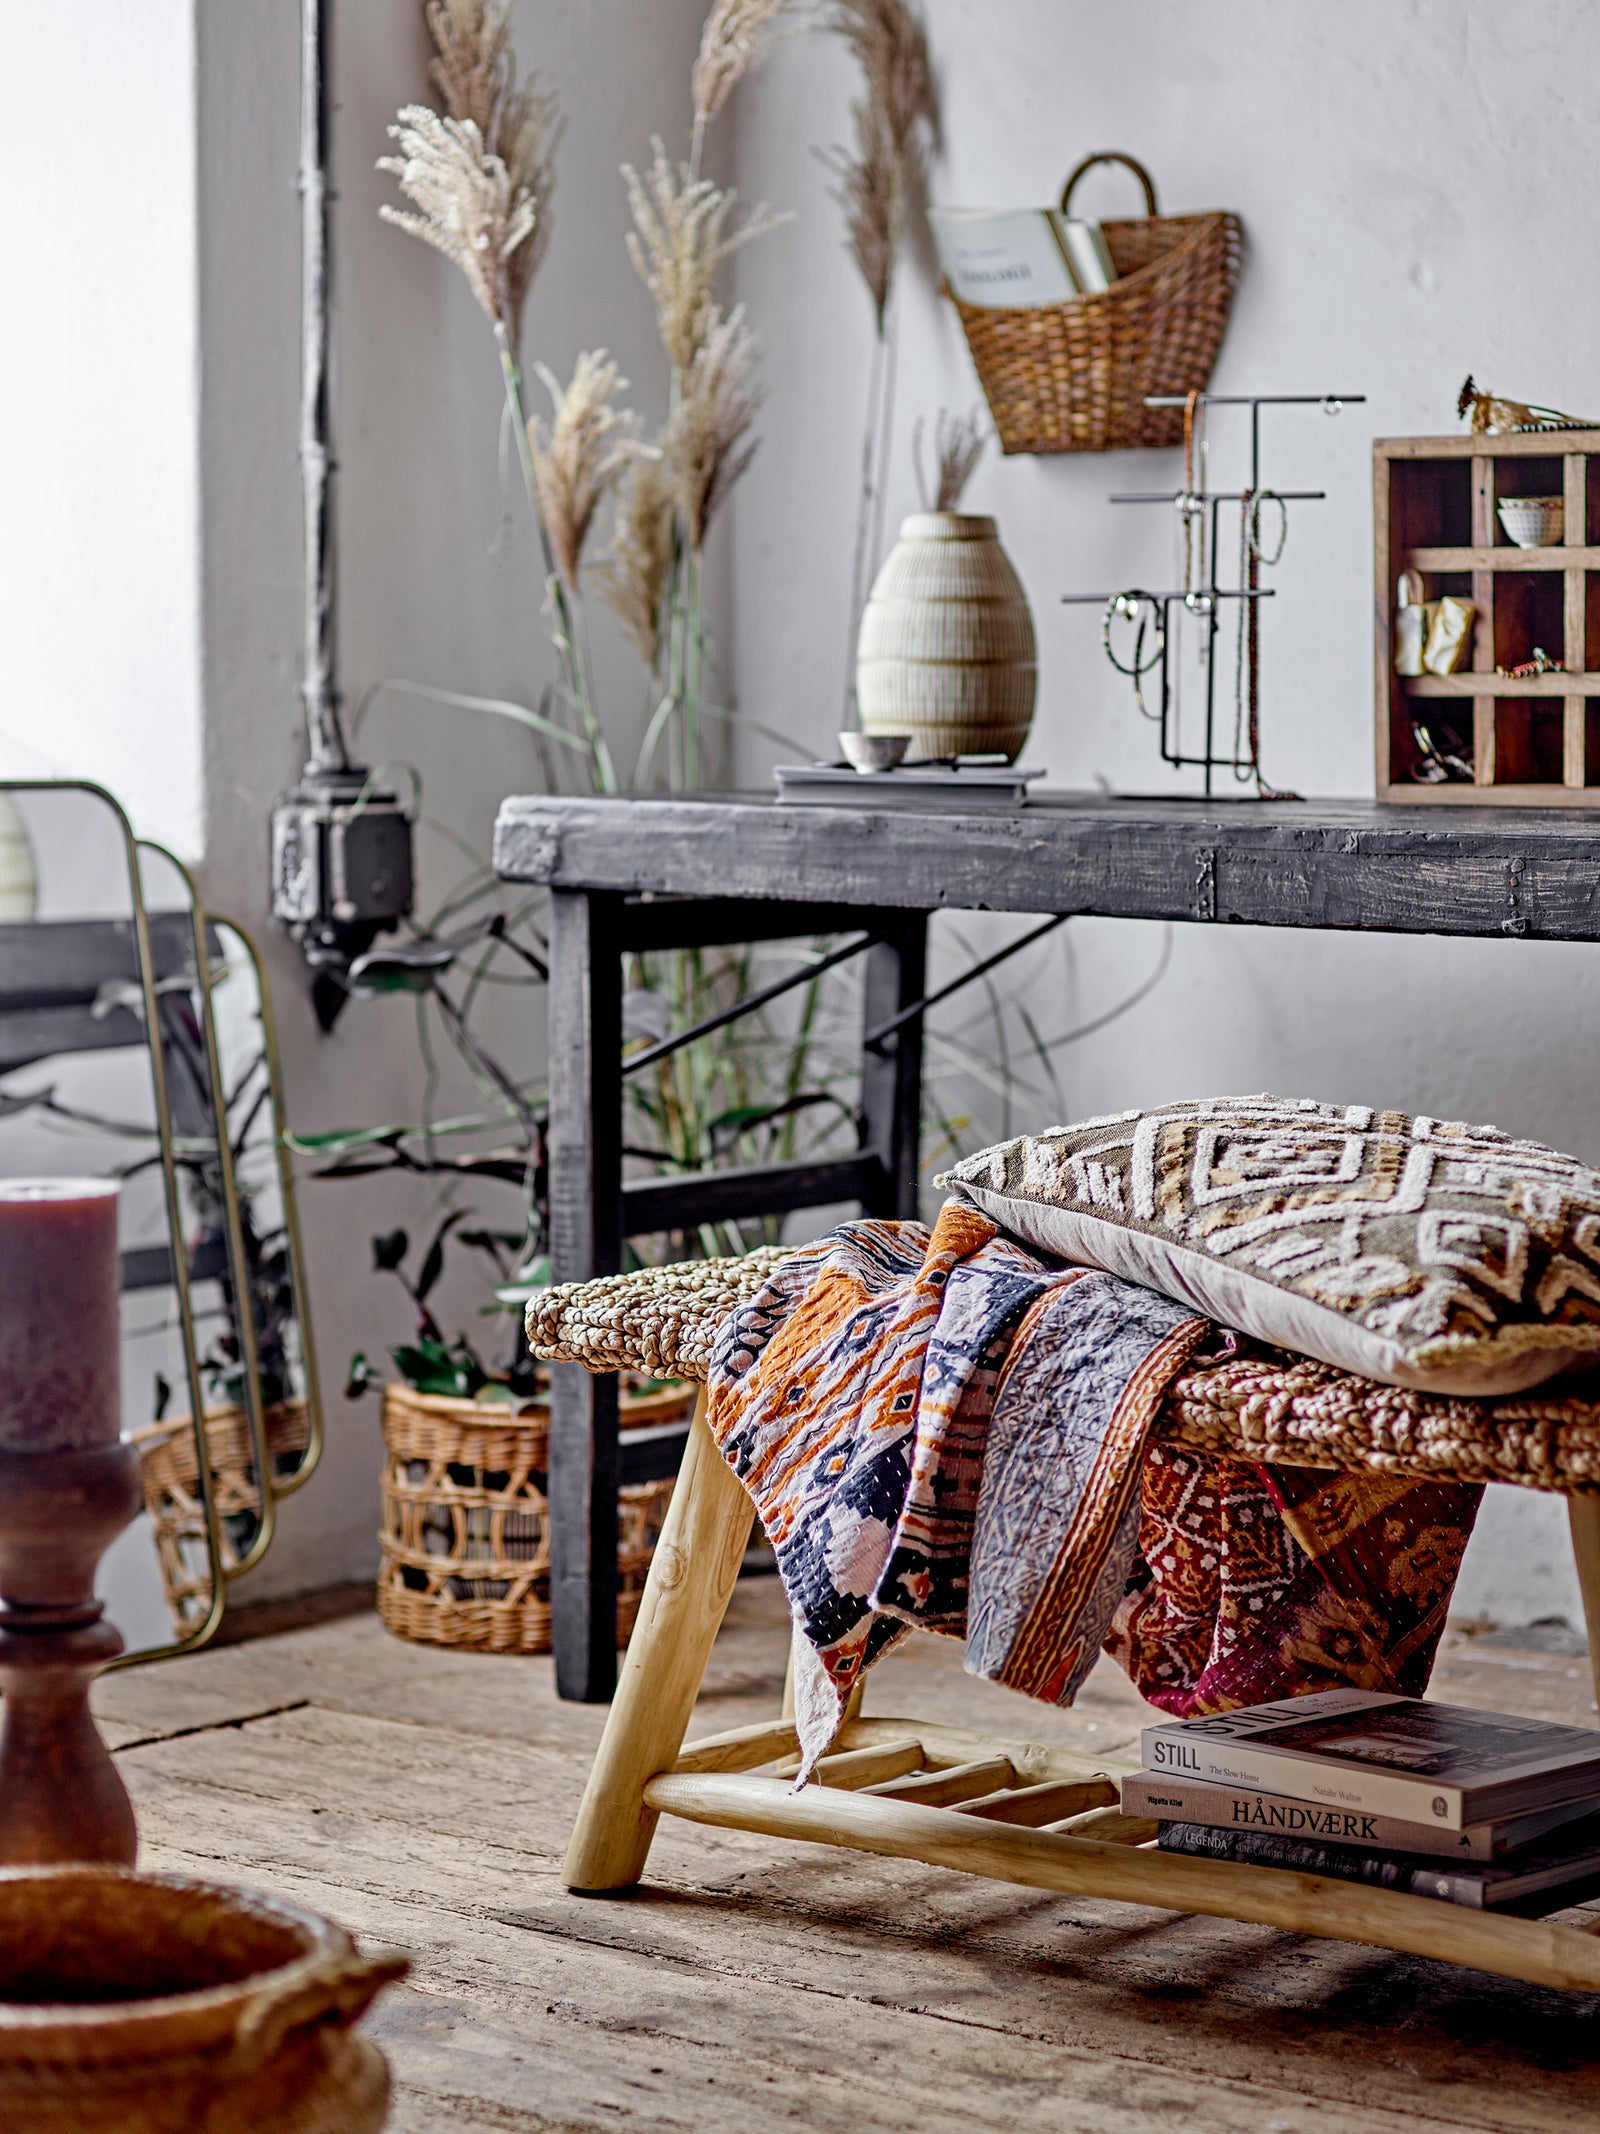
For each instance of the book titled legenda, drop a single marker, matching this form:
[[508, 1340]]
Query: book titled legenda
[[1401, 1756], [1243, 1808], [1008, 259]]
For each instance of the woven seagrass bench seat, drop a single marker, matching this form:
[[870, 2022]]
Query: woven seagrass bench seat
[[1289, 1411], [1008, 1809]]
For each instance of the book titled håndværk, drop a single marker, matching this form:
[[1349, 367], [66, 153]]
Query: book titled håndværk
[[1169, 1800], [1385, 1755], [1545, 1878]]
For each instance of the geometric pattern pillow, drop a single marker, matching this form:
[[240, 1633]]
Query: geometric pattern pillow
[[1418, 1251]]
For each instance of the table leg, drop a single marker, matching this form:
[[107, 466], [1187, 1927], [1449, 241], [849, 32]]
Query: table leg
[[1583, 1514], [891, 1077], [585, 1180]]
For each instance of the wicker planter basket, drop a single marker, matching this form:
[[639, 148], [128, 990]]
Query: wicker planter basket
[[465, 1537], [170, 1470], [1073, 377]]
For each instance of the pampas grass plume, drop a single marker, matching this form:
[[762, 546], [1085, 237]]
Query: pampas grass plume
[[705, 448], [737, 36], [486, 168], [679, 240], [633, 576], [465, 204], [958, 442], [892, 120], [580, 453]]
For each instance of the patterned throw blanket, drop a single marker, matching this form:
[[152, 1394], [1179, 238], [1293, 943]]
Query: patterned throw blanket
[[940, 1430]]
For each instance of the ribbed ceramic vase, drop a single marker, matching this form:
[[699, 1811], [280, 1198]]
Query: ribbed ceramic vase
[[947, 652]]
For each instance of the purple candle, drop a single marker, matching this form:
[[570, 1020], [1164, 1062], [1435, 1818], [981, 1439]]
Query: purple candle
[[60, 1338]]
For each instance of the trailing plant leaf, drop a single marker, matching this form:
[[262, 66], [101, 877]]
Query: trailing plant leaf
[[433, 1258], [429, 1366]]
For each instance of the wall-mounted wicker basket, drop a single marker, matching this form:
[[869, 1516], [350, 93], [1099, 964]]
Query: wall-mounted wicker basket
[[465, 1535], [1073, 377]]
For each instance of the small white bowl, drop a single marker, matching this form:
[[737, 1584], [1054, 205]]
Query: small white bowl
[[1534, 521], [874, 752]]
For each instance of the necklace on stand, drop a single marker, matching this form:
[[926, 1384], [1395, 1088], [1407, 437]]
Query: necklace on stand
[[1247, 665], [1158, 619]]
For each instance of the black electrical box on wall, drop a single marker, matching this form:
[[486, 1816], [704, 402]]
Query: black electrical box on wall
[[341, 872]]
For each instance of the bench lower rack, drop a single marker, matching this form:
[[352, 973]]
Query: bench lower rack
[[949, 1796]]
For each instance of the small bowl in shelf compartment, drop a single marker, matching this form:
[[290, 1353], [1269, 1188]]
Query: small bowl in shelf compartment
[[1534, 521], [874, 752]]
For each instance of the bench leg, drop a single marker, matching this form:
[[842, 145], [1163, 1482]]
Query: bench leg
[[691, 1579], [1584, 1515]]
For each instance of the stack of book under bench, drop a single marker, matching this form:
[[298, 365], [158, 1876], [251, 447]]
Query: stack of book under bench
[[1476, 1808]]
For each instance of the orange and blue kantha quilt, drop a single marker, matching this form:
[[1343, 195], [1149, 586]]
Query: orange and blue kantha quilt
[[940, 1430]]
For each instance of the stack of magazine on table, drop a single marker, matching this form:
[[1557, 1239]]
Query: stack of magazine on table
[[1477, 1808]]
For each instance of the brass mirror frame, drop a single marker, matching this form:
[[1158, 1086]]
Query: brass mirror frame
[[285, 1486], [238, 1264], [206, 1629]]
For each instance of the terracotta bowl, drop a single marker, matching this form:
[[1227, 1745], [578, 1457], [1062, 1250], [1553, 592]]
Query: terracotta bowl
[[151, 2004]]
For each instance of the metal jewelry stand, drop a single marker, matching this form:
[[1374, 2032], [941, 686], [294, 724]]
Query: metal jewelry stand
[[1156, 617]]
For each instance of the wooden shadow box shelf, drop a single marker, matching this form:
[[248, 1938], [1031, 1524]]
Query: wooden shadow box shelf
[[1534, 740]]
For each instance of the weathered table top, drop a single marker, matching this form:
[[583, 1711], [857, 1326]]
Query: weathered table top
[[1353, 864]]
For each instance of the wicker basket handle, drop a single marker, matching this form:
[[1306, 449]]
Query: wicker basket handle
[[1112, 155]]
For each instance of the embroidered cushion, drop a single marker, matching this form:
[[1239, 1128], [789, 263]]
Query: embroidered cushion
[[1417, 1251]]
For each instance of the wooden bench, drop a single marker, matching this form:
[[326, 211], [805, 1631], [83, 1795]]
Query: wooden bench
[[1007, 1809]]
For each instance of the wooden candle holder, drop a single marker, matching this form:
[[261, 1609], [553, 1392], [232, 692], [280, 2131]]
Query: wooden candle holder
[[61, 1796]]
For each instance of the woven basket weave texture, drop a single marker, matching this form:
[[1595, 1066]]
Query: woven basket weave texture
[[1291, 1412], [169, 1468], [657, 1319], [1073, 377], [465, 1536]]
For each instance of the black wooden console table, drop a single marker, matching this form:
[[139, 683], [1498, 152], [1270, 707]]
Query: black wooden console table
[[681, 872]]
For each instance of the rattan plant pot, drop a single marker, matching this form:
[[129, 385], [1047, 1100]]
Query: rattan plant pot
[[170, 1470], [947, 652], [150, 2004], [465, 1535], [1073, 377]]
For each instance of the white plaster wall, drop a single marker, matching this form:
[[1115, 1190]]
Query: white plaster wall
[[1413, 180], [1396, 166], [99, 644], [437, 580]]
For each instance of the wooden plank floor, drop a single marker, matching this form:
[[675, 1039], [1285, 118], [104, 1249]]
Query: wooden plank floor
[[423, 1798]]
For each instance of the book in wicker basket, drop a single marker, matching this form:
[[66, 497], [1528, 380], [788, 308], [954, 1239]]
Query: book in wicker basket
[[465, 1535], [1074, 377]]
